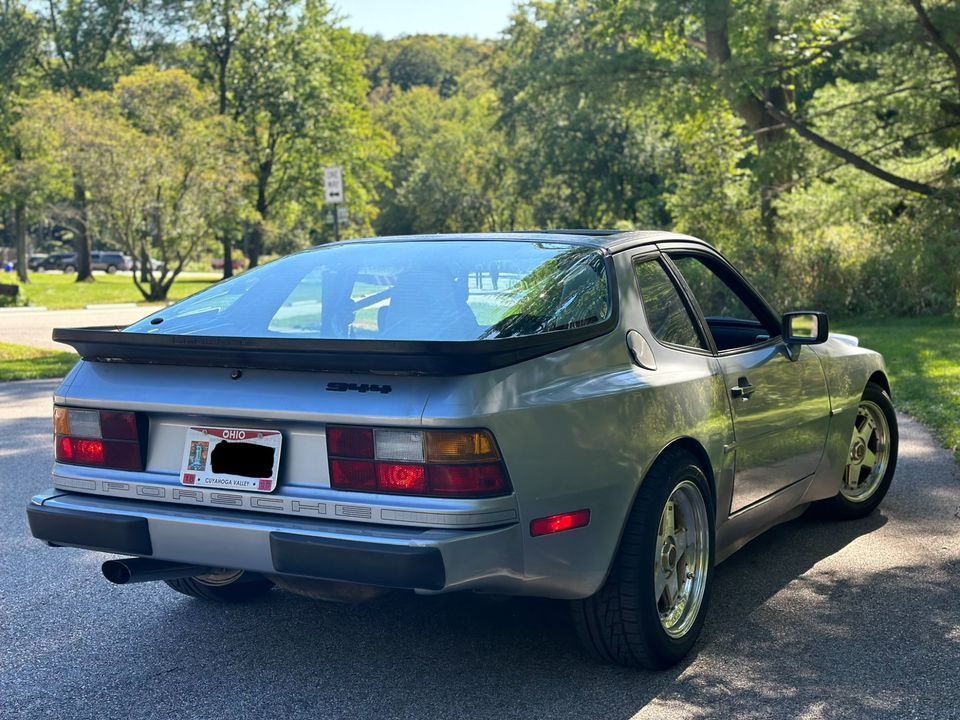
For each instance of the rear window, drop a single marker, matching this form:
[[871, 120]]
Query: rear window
[[450, 290]]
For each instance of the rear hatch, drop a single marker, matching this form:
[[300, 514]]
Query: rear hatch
[[329, 358]]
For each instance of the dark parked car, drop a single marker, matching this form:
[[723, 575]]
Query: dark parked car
[[35, 261], [60, 261], [110, 261]]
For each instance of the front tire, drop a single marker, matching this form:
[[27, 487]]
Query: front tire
[[651, 608], [227, 586], [872, 459]]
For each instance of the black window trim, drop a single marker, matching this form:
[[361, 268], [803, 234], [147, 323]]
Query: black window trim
[[659, 257], [699, 251]]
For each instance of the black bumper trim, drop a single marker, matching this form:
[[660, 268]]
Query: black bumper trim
[[92, 530], [396, 566]]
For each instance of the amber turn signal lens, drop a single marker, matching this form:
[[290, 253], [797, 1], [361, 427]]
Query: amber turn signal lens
[[61, 421], [471, 446]]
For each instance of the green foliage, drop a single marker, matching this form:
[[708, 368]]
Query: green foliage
[[434, 61], [18, 362], [57, 291], [816, 143], [923, 358], [452, 171]]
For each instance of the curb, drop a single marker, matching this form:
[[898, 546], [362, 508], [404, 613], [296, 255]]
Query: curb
[[110, 306], [28, 309]]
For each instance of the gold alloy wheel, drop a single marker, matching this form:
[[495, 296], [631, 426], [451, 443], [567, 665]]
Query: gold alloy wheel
[[682, 557], [869, 453]]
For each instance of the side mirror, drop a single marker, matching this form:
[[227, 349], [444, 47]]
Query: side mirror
[[805, 328]]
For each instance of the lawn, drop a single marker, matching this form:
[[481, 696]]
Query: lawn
[[18, 362], [923, 359], [57, 291]]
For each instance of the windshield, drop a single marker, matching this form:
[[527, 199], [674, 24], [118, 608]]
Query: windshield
[[452, 290]]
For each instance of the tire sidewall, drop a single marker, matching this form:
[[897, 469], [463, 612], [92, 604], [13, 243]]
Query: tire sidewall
[[668, 649], [878, 396]]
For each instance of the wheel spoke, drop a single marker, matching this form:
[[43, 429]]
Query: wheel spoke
[[852, 475], [671, 590], [660, 583], [869, 459], [666, 522], [680, 539]]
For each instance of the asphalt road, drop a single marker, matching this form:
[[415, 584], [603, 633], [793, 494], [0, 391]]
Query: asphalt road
[[35, 328], [813, 620]]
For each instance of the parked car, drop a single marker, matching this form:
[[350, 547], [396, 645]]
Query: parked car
[[67, 262], [237, 263], [155, 265], [110, 261], [35, 261], [613, 416]]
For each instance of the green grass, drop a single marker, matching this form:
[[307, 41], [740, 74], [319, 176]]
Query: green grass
[[18, 362], [923, 359], [57, 291]]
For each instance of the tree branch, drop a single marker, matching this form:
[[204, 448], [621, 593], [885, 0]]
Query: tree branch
[[857, 161], [937, 37]]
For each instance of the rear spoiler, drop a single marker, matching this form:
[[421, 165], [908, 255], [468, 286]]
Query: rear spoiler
[[100, 344]]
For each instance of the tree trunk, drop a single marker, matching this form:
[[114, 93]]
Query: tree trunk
[[146, 269], [227, 241], [81, 240], [257, 236], [20, 230], [770, 173]]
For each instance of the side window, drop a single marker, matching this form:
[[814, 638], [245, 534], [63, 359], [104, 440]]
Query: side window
[[735, 316], [667, 316]]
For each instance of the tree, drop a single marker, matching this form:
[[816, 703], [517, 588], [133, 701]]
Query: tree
[[451, 172], [765, 60], [19, 52], [299, 94], [90, 42], [435, 61], [217, 27], [158, 166]]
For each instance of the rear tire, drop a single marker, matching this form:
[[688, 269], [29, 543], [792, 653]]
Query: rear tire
[[227, 586], [69, 270], [872, 461], [627, 621], [111, 269]]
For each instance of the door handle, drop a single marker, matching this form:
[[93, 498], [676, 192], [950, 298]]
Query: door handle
[[743, 389]]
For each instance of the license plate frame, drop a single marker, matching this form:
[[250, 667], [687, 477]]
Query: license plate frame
[[196, 466]]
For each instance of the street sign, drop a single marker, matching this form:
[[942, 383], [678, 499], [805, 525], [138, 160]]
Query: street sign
[[333, 184], [343, 215]]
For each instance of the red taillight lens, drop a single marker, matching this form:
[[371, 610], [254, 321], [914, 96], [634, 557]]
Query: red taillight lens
[[350, 442], [81, 452], [439, 463], [353, 475], [467, 479], [99, 438], [64, 449], [401, 478], [118, 426], [559, 523]]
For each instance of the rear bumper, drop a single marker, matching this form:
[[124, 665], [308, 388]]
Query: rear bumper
[[429, 560]]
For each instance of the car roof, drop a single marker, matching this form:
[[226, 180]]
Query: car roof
[[610, 240]]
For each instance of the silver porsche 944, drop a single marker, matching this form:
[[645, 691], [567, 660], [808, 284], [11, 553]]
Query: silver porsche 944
[[588, 416]]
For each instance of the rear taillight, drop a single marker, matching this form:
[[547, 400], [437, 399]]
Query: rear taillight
[[435, 463], [101, 438]]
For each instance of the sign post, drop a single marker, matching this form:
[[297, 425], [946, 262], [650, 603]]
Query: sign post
[[333, 193]]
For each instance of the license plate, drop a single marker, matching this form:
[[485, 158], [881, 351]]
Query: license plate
[[232, 458]]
